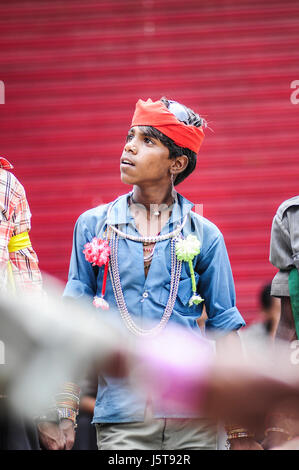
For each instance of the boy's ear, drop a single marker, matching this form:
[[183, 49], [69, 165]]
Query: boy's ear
[[179, 164]]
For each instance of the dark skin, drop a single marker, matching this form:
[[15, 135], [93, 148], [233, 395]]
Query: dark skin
[[286, 331], [54, 437], [151, 177], [152, 170], [286, 328], [152, 173], [231, 342]]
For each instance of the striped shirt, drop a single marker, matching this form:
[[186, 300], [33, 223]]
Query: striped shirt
[[15, 219]]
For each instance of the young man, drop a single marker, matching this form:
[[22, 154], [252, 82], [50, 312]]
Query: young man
[[20, 274], [149, 287], [284, 255], [18, 261]]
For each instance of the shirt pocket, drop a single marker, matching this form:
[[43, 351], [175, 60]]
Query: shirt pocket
[[183, 296]]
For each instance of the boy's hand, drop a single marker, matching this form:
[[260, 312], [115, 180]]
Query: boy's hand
[[245, 443], [274, 439], [51, 437], [68, 429]]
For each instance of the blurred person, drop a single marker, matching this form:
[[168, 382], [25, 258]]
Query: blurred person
[[179, 371], [284, 255], [85, 433], [140, 256], [258, 337], [20, 274], [53, 340], [270, 311], [263, 331], [46, 344]]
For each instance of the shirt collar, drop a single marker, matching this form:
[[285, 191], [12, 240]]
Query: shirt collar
[[120, 213], [5, 164], [181, 207]]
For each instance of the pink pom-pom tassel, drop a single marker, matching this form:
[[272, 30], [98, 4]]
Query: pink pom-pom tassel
[[97, 252], [99, 302]]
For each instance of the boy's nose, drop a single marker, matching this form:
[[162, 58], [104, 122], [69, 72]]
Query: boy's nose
[[131, 147]]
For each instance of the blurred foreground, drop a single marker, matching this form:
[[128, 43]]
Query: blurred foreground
[[47, 341]]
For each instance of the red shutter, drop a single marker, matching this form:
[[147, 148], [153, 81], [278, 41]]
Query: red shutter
[[73, 71]]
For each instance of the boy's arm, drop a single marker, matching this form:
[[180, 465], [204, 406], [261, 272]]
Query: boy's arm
[[216, 286], [81, 285], [82, 282]]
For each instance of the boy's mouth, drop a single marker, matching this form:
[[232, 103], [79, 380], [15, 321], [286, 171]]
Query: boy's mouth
[[126, 161]]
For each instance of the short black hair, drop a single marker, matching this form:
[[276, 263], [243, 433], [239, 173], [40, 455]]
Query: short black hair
[[174, 149]]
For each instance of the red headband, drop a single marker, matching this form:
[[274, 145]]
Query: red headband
[[155, 114]]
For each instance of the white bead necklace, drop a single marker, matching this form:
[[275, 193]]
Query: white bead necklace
[[176, 267], [157, 238]]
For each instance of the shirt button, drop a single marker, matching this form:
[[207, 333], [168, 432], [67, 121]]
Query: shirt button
[[145, 295]]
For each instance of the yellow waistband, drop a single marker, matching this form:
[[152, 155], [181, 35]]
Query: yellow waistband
[[19, 242]]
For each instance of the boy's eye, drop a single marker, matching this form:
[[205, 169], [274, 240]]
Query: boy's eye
[[129, 137], [147, 140]]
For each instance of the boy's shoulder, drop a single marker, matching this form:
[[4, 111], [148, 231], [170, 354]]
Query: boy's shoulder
[[207, 232], [285, 205], [201, 223], [94, 214], [205, 224]]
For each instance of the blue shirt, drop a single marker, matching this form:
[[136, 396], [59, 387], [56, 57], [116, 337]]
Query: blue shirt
[[115, 400]]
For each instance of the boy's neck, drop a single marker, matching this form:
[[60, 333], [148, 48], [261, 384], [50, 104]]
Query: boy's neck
[[153, 195], [150, 221]]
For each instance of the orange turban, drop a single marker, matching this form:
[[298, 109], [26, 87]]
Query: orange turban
[[155, 114]]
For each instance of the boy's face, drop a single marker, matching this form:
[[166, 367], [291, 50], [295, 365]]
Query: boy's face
[[144, 160]]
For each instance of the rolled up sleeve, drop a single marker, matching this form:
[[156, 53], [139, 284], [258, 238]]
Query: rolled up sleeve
[[217, 289], [280, 247]]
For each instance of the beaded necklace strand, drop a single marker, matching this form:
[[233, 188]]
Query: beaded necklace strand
[[176, 266]]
